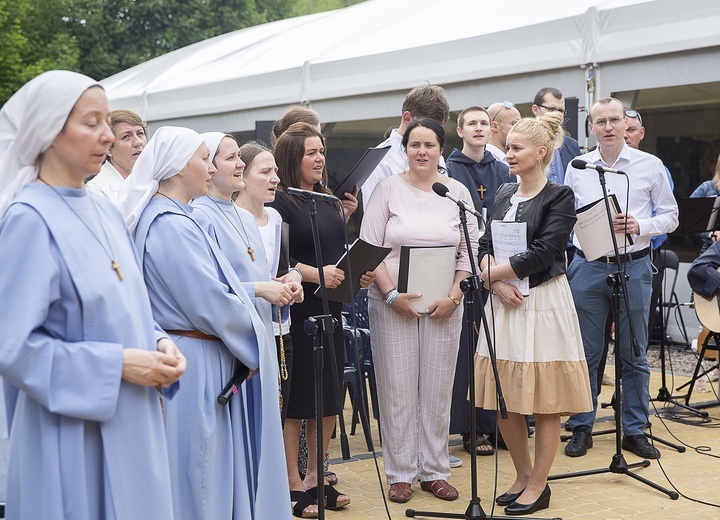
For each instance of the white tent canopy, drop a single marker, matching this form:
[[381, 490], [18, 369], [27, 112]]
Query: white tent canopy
[[357, 63]]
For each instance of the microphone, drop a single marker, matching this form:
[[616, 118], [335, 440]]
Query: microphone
[[443, 191], [582, 165], [232, 387], [307, 195]]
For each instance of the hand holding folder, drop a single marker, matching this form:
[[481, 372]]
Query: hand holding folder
[[363, 257], [429, 271]]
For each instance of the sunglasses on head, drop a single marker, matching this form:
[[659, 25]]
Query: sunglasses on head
[[634, 113], [506, 104]]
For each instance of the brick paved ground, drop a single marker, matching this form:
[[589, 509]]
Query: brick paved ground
[[695, 473]]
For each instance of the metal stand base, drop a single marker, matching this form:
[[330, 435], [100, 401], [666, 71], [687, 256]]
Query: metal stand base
[[471, 289], [620, 466]]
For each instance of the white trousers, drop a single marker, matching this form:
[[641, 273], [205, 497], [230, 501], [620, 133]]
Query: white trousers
[[415, 366]]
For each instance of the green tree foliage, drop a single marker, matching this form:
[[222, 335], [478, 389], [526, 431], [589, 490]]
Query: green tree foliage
[[33, 39], [102, 37]]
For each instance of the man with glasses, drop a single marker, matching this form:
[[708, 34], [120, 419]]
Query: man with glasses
[[650, 193], [502, 117], [550, 99]]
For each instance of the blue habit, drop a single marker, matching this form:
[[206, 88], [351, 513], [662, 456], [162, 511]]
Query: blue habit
[[227, 462], [84, 444]]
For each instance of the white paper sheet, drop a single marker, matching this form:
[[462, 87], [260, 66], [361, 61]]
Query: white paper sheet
[[592, 229], [509, 239]]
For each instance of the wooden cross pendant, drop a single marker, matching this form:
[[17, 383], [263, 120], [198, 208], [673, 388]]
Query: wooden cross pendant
[[116, 267], [251, 252], [482, 189]]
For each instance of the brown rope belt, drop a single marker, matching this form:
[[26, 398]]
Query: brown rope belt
[[194, 334]]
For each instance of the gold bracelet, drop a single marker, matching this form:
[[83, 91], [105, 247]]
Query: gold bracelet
[[454, 300]]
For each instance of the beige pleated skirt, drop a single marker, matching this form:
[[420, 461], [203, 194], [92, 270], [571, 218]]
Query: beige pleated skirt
[[540, 357]]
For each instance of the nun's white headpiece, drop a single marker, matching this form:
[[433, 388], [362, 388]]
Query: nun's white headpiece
[[29, 123], [169, 150], [212, 139]]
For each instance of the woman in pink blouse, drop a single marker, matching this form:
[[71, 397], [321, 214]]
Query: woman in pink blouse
[[415, 353]]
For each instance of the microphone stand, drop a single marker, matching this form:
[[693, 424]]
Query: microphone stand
[[321, 327], [471, 289], [618, 281], [664, 395]]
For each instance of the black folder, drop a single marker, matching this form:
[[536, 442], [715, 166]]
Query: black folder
[[363, 257], [361, 171]]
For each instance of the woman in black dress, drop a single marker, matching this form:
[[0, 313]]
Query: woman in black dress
[[300, 156]]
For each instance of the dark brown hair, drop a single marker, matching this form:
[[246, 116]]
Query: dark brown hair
[[289, 151], [427, 101]]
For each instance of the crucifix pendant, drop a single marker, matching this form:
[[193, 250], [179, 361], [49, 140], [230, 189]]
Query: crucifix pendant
[[251, 252], [482, 189], [116, 267]]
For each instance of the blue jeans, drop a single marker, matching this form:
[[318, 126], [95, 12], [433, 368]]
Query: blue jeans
[[593, 301]]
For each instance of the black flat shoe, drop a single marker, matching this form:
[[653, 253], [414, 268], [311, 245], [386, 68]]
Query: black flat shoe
[[543, 502], [507, 498]]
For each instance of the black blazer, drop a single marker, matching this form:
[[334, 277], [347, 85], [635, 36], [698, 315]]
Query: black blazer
[[550, 217]]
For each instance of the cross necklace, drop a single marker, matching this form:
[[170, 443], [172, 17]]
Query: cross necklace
[[109, 249], [246, 238]]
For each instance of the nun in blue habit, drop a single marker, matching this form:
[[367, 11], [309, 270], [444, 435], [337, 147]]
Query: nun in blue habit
[[236, 232], [80, 354], [227, 462]]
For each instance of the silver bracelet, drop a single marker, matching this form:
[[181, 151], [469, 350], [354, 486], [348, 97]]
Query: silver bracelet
[[298, 272]]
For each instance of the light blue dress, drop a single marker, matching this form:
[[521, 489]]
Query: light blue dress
[[225, 223], [84, 444], [225, 460]]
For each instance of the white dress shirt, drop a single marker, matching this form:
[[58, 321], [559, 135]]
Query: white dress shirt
[[649, 191], [497, 153]]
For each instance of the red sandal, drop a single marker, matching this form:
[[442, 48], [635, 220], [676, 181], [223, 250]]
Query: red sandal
[[400, 492], [441, 489]]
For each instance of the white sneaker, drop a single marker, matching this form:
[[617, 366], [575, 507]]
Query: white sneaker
[[455, 462]]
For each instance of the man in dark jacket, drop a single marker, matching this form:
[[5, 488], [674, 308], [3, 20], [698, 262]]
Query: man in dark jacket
[[475, 166], [482, 174]]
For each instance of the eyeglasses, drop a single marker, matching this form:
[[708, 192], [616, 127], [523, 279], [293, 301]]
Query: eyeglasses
[[614, 121], [506, 104], [633, 113], [553, 109]]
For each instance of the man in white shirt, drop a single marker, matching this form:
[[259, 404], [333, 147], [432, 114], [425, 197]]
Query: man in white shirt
[[502, 117], [648, 208], [424, 101]]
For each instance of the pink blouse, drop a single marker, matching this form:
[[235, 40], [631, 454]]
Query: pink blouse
[[401, 215]]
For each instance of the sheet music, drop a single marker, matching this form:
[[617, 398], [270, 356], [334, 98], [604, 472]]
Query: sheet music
[[713, 216], [593, 230], [509, 239]]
